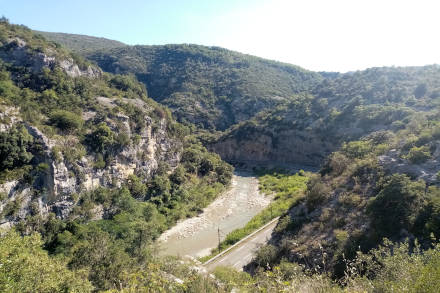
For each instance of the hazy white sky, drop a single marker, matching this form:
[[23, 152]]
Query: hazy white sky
[[322, 35], [337, 35]]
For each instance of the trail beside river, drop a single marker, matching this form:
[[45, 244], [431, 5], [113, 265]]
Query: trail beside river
[[198, 235]]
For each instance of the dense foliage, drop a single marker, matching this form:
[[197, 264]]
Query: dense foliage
[[380, 128], [209, 86], [136, 215], [106, 239], [369, 189], [15, 146], [389, 268], [26, 267], [337, 110], [81, 43]]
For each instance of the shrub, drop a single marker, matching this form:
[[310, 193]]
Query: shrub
[[43, 168], [397, 205], [26, 267], [126, 83], [206, 165], [65, 120], [418, 155], [224, 173], [99, 162], [160, 185], [178, 176], [136, 187], [101, 139], [15, 146], [56, 154], [316, 192], [356, 149], [338, 163], [266, 256], [12, 208], [122, 139]]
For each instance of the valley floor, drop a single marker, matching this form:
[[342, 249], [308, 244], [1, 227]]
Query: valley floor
[[232, 210]]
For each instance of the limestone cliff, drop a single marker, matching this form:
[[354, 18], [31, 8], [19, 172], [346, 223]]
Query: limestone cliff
[[56, 188]]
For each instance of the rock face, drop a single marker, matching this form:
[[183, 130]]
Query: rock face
[[17, 52], [73, 70], [8, 117], [393, 161], [289, 147], [65, 178]]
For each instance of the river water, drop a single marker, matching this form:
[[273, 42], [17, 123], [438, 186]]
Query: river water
[[198, 235]]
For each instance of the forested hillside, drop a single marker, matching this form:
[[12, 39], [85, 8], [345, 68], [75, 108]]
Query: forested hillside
[[80, 44], [92, 171], [380, 190], [305, 129], [211, 87]]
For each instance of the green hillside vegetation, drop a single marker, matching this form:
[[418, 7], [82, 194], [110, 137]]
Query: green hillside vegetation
[[355, 202], [209, 86], [389, 268], [337, 110], [368, 221], [82, 252], [80, 43], [360, 227]]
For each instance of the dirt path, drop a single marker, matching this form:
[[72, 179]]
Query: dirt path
[[197, 236]]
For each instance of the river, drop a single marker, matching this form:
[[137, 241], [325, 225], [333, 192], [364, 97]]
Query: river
[[233, 209]]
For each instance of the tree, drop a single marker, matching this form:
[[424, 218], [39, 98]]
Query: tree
[[136, 187], [15, 147], [419, 155], [26, 267], [102, 138], [420, 90], [105, 258]]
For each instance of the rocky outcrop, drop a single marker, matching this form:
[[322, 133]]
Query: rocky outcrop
[[8, 116], [286, 148], [73, 70], [393, 162], [65, 178], [17, 52]]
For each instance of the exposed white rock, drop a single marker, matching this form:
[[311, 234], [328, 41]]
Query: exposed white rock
[[8, 117], [72, 69]]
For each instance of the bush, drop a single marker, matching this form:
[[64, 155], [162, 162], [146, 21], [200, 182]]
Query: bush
[[356, 149], [102, 139], [65, 120], [178, 176], [127, 83], [26, 267], [266, 256], [316, 192], [12, 208], [15, 146], [338, 163], [397, 205], [418, 155], [136, 187], [99, 162]]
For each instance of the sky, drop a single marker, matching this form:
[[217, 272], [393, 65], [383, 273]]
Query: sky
[[320, 35]]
